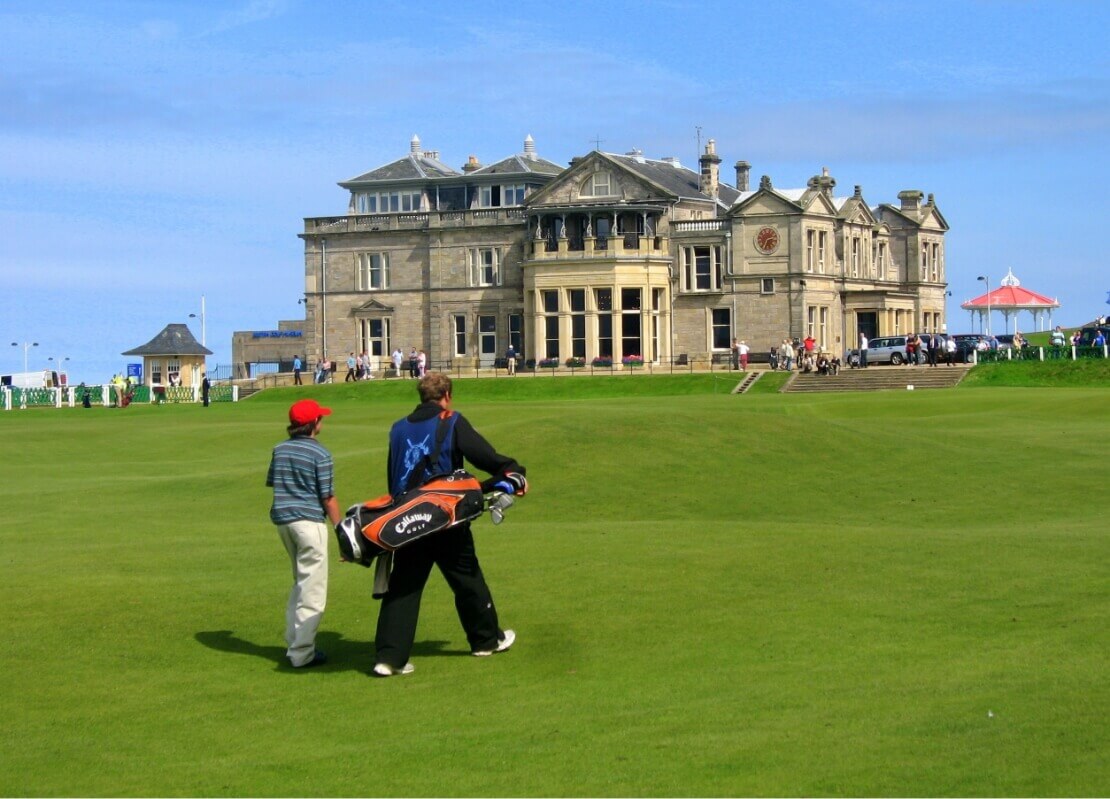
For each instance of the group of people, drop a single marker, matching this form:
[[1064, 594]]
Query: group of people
[[798, 353], [417, 362], [301, 474], [926, 348], [358, 367], [740, 352]]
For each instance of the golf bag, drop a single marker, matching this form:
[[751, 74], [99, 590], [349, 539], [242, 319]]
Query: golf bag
[[389, 523]]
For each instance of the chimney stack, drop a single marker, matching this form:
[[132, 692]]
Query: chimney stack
[[911, 199], [529, 148], [709, 182], [472, 164], [414, 145], [743, 170]]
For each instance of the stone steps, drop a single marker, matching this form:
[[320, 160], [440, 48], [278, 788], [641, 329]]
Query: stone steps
[[879, 378]]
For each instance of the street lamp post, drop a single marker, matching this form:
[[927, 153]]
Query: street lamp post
[[203, 343], [26, 346], [987, 283]]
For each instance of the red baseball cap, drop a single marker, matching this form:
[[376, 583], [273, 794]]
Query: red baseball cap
[[306, 410]]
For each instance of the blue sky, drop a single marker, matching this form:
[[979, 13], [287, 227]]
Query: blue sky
[[155, 152]]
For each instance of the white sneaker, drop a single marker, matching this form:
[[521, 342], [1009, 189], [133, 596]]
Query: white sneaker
[[502, 645], [385, 670]]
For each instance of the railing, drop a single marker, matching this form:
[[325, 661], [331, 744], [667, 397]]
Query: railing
[[1071, 353], [699, 225], [108, 396], [417, 220]]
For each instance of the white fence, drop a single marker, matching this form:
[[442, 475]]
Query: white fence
[[108, 396]]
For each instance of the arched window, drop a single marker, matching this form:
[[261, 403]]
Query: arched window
[[599, 184]]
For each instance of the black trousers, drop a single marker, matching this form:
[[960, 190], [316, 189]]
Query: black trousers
[[453, 552]]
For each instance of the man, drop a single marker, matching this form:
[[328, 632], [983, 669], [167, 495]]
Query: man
[[297, 366], [411, 444], [397, 358], [205, 388], [734, 352], [786, 355], [743, 349], [510, 359], [352, 363], [413, 357], [862, 351], [301, 474]]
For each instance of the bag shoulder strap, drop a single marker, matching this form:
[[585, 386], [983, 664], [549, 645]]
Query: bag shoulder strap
[[428, 467]]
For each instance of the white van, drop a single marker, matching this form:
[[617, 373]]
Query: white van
[[43, 379]]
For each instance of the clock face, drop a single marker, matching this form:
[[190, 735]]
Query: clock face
[[767, 240]]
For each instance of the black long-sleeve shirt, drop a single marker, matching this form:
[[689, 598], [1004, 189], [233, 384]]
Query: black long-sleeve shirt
[[468, 444]]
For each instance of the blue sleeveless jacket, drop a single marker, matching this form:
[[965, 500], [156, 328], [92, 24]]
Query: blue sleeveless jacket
[[410, 444]]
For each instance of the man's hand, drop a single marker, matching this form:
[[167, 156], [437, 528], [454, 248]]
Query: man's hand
[[512, 483]]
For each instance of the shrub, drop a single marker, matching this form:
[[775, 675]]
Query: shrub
[[575, 363], [548, 363], [602, 360]]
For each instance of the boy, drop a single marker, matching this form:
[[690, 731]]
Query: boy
[[301, 473]]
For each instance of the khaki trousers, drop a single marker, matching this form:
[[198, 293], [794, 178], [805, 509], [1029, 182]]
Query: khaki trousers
[[307, 544]]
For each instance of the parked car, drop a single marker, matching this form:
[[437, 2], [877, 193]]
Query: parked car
[[966, 343], [1087, 335], [887, 349]]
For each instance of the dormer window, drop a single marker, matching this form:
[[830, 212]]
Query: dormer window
[[599, 184]]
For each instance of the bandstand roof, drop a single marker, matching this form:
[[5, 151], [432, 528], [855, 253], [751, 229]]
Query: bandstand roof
[[1010, 295]]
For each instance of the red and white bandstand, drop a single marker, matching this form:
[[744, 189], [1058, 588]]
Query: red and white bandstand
[[1010, 299]]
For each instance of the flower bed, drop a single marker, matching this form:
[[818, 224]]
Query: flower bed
[[632, 360], [548, 363], [576, 363], [602, 361]]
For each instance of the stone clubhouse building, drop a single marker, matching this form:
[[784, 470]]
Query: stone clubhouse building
[[610, 257]]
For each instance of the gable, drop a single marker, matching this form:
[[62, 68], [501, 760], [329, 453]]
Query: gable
[[371, 307], [819, 203], [765, 201], [933, 220], [574, 185]]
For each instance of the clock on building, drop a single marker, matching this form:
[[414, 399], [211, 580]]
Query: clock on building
[[767, 240]]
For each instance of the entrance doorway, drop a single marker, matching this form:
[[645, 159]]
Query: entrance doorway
[[487, 340], [868, 323]]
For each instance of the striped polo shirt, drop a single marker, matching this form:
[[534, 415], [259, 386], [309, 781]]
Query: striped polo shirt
[[301, 473]]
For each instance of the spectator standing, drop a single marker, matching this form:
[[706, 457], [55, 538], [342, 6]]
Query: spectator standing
[[786, 355], [743, 349], [412, 362], [735, 354], [862, 351], [421, 364], [297, 365], [301, 474], [510, 359], [352, 364], [205, 387], [397, 357]]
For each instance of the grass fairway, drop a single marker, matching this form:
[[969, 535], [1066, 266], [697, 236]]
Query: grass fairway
[[859, 594]]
